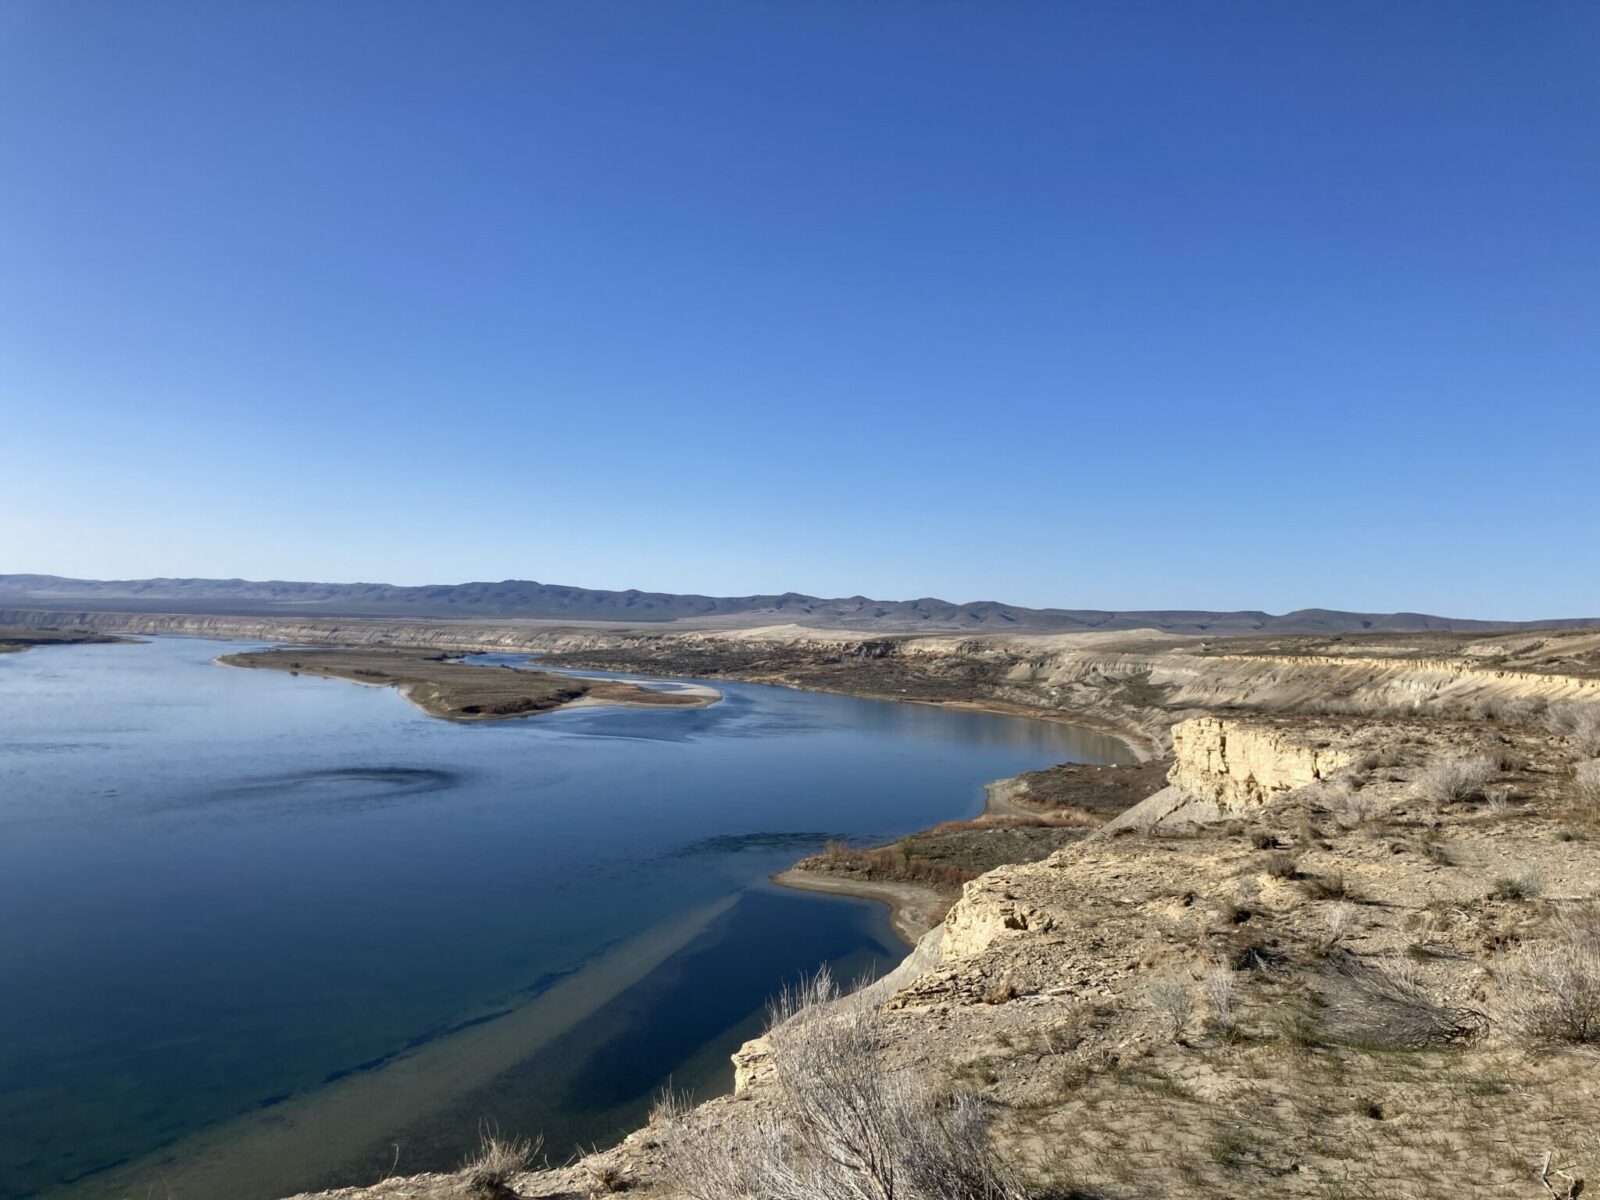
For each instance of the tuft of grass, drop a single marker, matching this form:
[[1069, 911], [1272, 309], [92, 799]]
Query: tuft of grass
[[489, 1172], [608, 1178]]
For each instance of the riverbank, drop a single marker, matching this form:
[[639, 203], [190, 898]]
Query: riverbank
[[444, 687], [1025, 818]]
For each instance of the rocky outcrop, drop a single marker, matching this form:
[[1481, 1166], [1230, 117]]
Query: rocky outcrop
[[1243, 765]]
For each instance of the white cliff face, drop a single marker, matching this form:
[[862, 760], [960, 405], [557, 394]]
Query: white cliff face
[[1242, 765]]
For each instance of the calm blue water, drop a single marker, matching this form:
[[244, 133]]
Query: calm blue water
[[220, 888]]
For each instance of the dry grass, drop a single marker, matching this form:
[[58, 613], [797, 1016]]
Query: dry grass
[[1382, 1003], [1172, 1004], [1550, 989], [1587, 778], [844, 1127], [1453, 780], [1342, 920], [1524, 885], [1219, 986], [499, 1159], [1579, 724]]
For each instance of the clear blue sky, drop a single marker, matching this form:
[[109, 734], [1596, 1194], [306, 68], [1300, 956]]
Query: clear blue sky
[[1085, 304]]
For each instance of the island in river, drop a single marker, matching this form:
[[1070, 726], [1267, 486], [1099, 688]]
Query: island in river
[[14, 638], [443, 686]]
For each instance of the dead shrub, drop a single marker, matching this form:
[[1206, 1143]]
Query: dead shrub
[[1172, 1004], [1453, 780], [1550, 989], [1587, 777], [1342, 920], [1219, 985], [1579, 724], [1509, 711], [1524, 885], [1382, 1003], [1331, 886], [1282, 866], [843, 1126], [1356, 810]]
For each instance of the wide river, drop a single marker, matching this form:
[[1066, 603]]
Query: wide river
[[261, 932]]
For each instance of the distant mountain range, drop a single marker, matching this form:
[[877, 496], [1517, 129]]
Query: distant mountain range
[[520, 598]]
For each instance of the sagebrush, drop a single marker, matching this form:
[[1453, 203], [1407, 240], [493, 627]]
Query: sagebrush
[[844, 1125]]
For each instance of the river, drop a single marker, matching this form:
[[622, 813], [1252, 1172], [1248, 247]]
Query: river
[[262, 932]]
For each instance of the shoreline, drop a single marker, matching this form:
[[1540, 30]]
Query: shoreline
[[1139, 745], [912, 906]]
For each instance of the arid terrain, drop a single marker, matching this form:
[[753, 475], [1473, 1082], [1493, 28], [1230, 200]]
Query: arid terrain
[[1347, 943], [444, 687]]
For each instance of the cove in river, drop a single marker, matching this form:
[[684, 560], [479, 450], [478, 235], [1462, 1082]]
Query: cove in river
[[259, 930]]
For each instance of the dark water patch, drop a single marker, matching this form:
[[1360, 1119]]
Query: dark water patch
[[398, 781], [737, 843]]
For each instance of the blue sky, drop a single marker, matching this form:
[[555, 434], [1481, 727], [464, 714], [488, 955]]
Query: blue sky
[[1083, 304]]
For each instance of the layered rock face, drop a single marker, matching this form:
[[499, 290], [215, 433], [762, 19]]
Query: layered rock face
[[1242, 765]]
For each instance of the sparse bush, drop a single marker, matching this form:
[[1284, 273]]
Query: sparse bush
[[1331, 886], [1434, 850], [1524, 885], [1579, 724], [498, 1160], [1551, 989], [1171, 1002], [1587, 777], [1452, 780], [1356, 809], [844, 1127], [1519, 711], [1282, 866], [1219, 985], [1382, 1003], [1342, 920]]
